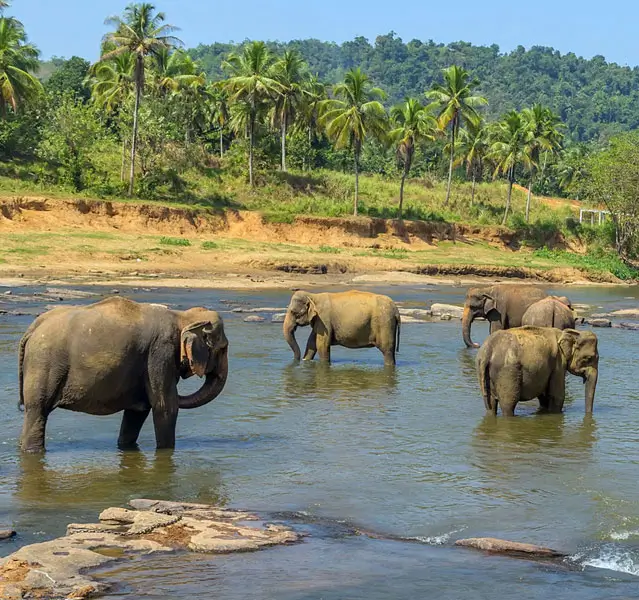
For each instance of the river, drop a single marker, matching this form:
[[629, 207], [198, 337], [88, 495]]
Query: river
[[406, 453]]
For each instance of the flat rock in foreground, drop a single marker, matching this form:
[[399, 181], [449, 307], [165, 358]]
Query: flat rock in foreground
[[58, 569], [511, 548]]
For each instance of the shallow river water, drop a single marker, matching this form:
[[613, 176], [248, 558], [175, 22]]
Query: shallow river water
[[408, 453]]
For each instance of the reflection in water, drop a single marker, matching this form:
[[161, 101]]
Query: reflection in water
[[338, 382], [467, 358], [135, 475]]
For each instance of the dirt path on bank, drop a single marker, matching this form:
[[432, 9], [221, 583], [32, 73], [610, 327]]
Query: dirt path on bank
[[121, 243]]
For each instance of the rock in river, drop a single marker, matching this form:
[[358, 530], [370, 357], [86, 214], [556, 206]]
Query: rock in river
[[439, 310], [5, 534], [599, 322], [254, 319], [59, 568], [507, 547]]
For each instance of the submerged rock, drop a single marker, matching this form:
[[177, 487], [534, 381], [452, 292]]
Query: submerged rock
[[628, 325], [418, 313], [58, 569], [438, 310], [278, 318], [507, 547], [5, 534], [254, 319], [599, 322]]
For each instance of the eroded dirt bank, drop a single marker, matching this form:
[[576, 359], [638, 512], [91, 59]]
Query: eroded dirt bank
[[117, 242]]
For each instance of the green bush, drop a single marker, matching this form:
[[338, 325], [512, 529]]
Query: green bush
[[597, 259], [209, 245], [329, 250], [171, 241]]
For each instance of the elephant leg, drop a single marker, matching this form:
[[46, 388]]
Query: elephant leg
[[164, 422], [311, 346], [33, 428], [544, 402], [323, 342], [389, 357], [495, 326], [132, 422], [556, 392], [507, 387]]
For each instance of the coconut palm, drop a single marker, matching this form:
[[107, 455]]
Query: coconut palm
[[545, 136], [290, 71], [112, 83], [354, 114], [472, 149], [251, 83], [175, 71], [456, 105], [18, 63], [413, 124], [314, 93], [142, 32], [510, 147], [572, 168]]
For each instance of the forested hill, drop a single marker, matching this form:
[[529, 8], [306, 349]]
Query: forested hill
[[594, 98]]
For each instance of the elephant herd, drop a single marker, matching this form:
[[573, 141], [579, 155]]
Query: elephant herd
[[119, 355]]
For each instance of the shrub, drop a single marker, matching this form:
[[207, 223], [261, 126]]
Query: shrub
[[171, 241]]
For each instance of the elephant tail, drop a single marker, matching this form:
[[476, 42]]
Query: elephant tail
[[397, 331], [21, 349], [484, 384]]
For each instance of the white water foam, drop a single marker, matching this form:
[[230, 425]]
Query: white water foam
[[436, 540], [623, 535], [612, 559]]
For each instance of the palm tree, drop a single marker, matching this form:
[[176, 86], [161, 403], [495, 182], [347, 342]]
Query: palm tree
[[142, 32], [18, 62], [111, 84], [544, 137], [457, 106], [218, 110], [314, 93], [290, 71], [510, 147], [413, 125], [175, 71], [472, 152], [572, 168], [251, 83], [354, 114]]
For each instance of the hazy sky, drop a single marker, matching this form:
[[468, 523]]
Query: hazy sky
[[68, 27]]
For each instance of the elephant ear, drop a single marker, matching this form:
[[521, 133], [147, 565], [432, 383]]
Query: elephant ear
[[194, 349], [312, 309], [489, 304], [567, 343]]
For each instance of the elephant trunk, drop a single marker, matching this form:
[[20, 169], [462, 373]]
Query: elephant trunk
[[213, 384], [289, 334], [467, 319], [591, 385]]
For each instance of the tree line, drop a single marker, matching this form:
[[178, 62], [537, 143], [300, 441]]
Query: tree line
[[150, 96]]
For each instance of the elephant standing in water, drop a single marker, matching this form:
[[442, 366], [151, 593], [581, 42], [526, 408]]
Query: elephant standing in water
[[503, 305], [351, 319], [550, 312], [531, 362], [118, 355]]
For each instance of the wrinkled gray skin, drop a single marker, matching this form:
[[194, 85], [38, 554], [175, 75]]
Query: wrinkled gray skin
[[503, 305], [119, 355], [531, 362], [351, 319], [549, 312]]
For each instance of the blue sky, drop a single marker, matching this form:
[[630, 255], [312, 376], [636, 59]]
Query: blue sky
[[68, 27]]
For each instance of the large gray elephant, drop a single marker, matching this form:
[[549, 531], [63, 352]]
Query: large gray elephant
[[550, 312], [119, 355], [503, 305], [351, 319], [531, 362]]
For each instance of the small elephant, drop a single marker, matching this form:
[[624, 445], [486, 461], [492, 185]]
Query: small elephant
[[531, 362], [503, 305], [119, 355], [550, 312], [351, 319]]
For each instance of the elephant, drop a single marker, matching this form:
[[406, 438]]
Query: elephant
[[119, 355], [351, 319], [503, 305], [531, 362], [550, 312]]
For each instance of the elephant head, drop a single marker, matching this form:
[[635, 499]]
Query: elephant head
[[582, 359], [480, 302], [204, 352], [301, 312], [564, 300]]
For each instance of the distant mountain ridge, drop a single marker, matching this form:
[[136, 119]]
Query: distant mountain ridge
[[593, 97]]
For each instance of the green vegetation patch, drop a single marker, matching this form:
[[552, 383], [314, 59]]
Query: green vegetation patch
[[171, 241]]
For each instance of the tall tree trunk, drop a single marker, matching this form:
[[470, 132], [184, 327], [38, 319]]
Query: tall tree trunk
[[251, 137], [528, 197], [284, 143], [452, 159], [356, 181], [134, 138], [221, 142], [123, 169], [472, 189], [407, 164], [510, 191]]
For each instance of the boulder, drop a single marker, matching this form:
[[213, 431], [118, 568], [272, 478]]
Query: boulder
[[264, 309], [628, 325], [626, 312], [278, 318], [598, 322], [254, 319], [498, 546], [454, 311], [419, 313], [5, 534]]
